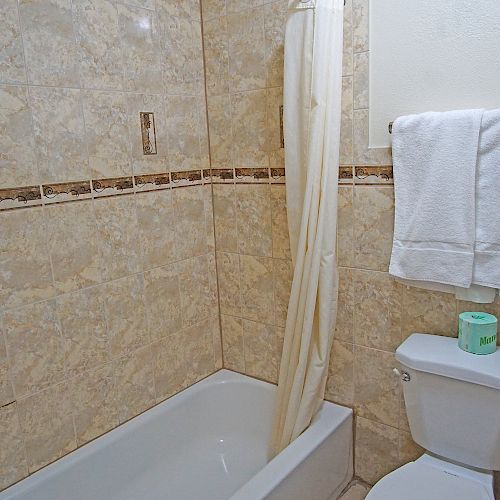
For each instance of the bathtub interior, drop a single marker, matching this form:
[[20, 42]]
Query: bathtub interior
[[204, 443]]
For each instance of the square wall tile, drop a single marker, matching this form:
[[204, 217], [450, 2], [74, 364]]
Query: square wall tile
[[219, 123], [11, 52], [46, 420], [228, 269], [260, 350], [98, 41], [215, 39], [340, 383], [6, 392], [49, 43], [35, 347], [280, 237], [232, 343]]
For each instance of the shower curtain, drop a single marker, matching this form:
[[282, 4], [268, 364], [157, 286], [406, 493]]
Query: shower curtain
[[312, 111]]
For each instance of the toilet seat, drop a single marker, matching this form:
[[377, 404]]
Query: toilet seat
[[419, 481]]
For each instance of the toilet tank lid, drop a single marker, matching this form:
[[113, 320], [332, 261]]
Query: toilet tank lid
[[442, 356]]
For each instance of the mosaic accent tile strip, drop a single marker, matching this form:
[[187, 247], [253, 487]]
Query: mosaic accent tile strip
[[373, 175], [20, 197], [67, 191], [252, 175], [222, 175]]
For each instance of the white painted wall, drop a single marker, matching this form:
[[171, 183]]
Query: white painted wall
[[431, 55]]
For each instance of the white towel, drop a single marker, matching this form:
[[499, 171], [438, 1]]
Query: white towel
[[486, 269], [434, 158]]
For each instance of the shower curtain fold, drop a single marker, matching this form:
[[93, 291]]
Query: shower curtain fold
[[312, 112]]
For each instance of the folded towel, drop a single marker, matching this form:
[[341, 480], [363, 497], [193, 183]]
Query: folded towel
[[486, 269], [434, 158]]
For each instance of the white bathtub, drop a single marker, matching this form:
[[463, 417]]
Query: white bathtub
[[207, 443]]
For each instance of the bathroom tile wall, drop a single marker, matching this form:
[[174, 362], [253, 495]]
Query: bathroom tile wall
[[108, 293], [375, 312], [243, 44]]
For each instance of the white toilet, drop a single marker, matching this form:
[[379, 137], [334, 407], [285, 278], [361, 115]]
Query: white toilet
[[453, 406]]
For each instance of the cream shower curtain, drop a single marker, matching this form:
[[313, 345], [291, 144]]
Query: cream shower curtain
[[312, 106]]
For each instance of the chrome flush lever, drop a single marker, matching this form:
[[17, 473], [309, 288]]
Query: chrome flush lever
[[405, 376]]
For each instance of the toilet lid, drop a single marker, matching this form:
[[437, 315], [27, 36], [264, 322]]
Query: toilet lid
[[416, 481]]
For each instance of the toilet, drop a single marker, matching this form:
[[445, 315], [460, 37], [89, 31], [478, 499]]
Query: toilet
[[453, 405]]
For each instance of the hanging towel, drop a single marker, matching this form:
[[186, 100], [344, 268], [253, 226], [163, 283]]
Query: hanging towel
[[486, 269], [434, 158]]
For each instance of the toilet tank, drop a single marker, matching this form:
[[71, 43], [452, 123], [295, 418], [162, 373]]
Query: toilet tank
[[452, 400]]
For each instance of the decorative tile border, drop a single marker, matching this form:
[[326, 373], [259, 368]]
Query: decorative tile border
[[373, 175], [152, 182], [251, 175], [67, 191], [20, 197], [26, 196]]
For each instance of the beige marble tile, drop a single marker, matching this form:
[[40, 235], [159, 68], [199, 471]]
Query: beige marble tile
[[361, 80], [346, 125], [249, 129], [59, 134], [228, 270], [141, 46], [344, 328], [340, 383], [18, 161], [253, 213], [134, 383], [124, 305], [378, 315], [256, 278], [280, 341], [376, 388], [356, 492], [76, 260], [11, 47], [141, 163], [49, 42], [156, 228], [13, 466], [208, 203], [106, 121], [373, 227], [226, 233], [247, 68], [145, 4], [274, 26], [345, 226], [183, 133], [283, 276], [83, 325], [260, 350], [163, 301], [26, 274], [117, 236], [376, 450], [94, 403], [219, 122], [213, 8], [409, 451], [363, 154], [360, 25], [6, 392], [190, 223], [35, 347], [195, 291], [203, 133], [347, 56], [215, 39], [182, 55], [426, 311], [199, 351], [98, 40], [46, 421], [232, 343], [240, 5], [274, 101], [281, 240]]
